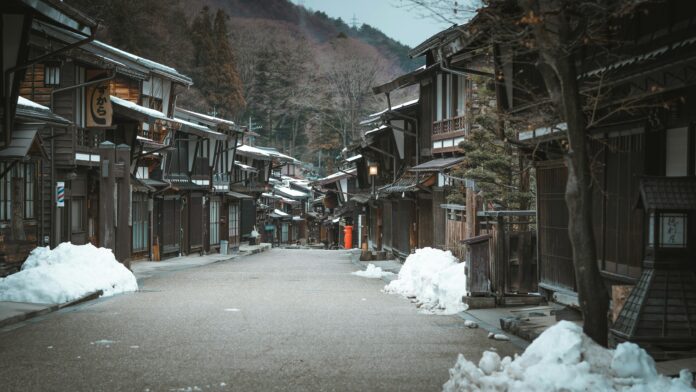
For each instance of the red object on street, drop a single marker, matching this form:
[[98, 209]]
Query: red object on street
[[348, 237]]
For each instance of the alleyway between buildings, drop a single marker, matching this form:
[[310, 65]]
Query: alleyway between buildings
[[279, 320]]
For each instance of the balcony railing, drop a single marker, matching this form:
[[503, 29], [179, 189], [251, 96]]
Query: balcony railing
[[450, 125], [88, 140]]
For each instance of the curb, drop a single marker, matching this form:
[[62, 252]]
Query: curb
[[95, 295], [50, 309]]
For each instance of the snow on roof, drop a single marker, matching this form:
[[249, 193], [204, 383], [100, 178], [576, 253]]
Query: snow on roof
[[245, 167], [253, 152], [140, 109], [154, 66], [354, 158], [213, 119], [397, 107], [28, 103], [376, 129], [290, 192], [280, 213], [337, 176], [205, 130]]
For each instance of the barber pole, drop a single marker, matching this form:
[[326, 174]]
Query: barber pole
[[60, 194]]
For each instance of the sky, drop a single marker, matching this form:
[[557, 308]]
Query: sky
[[401, 24]]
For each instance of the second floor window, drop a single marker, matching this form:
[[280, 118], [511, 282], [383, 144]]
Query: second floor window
[[52, 75]]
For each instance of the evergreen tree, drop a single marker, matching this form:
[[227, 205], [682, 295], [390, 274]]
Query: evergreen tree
[[227, 91]]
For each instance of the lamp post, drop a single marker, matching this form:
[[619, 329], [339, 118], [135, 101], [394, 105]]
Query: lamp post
[[373, 170]]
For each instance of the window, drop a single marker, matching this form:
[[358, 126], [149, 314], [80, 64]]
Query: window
[[438, 98], [143, 173], [52, 75], [233, 223], [673, 230], [141, 220], [677, 152], [29, 190], [77, 214], [214, 221], [461, 96]]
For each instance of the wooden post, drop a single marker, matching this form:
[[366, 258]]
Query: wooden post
[[471, 229], [18, 208], [107, 196], [124, 235]]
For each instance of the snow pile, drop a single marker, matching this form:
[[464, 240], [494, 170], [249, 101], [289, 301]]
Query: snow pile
[[435, 278], [67, 273], [372, 272], [563, 358]]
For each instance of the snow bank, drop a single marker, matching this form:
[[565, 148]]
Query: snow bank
[[563, 358], [435, 278], [372, 272], [66, 273]]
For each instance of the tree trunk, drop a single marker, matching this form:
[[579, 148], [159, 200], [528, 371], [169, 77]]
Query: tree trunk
[[557, 67], [593, 297]]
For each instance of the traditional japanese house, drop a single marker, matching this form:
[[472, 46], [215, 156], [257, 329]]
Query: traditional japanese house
[[221, 206], [23, 123], [387, 154], [645, 128], [123, 108], [338, 209]]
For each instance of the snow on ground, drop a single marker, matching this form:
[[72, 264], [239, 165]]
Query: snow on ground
[[435, 278], [563, 358], [372, 272], [67, 273]]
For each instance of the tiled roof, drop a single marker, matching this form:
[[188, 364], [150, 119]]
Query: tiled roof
[[671, 193]]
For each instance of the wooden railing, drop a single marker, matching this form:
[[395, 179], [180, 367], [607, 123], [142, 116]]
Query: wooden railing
[[88, 140], [450, 125]]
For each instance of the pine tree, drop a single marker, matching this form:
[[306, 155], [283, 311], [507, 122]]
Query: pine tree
[[227, 92]]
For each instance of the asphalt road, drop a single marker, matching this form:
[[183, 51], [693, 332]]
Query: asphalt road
[[280, 320]]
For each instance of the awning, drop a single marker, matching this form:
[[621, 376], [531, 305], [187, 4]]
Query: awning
[[237, 195], [278, 214], [246, 168], [30, 110], [361, 198], [253, 152], [408, 182], [298, 219], [405, 80], [354, 158], [336, 177], [437, 165], [219, 123], [291, 193], [139, 185], [141, 113], [151, 144], [26, 141]]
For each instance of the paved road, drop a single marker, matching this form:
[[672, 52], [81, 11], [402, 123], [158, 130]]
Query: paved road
[[280, 320]]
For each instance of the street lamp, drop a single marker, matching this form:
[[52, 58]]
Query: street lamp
[[373, 170]]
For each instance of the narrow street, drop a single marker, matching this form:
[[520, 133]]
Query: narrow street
[[279, 320]]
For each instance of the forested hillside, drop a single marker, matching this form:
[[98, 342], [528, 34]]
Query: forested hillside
[[301, 79]]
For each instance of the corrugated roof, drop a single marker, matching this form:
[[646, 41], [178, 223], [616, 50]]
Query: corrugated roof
[[437, 164], [406, 183]]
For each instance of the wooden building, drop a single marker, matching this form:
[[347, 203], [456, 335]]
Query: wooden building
[[649, 71], [23, 124]]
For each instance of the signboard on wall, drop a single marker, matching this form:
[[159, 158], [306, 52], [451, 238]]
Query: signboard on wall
[[60, 194], [99, 111]]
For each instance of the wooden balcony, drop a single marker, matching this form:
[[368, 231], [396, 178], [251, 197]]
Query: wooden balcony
[[87, 140], [449, 128]]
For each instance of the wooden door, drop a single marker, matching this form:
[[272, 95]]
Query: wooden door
[[233, 223]]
